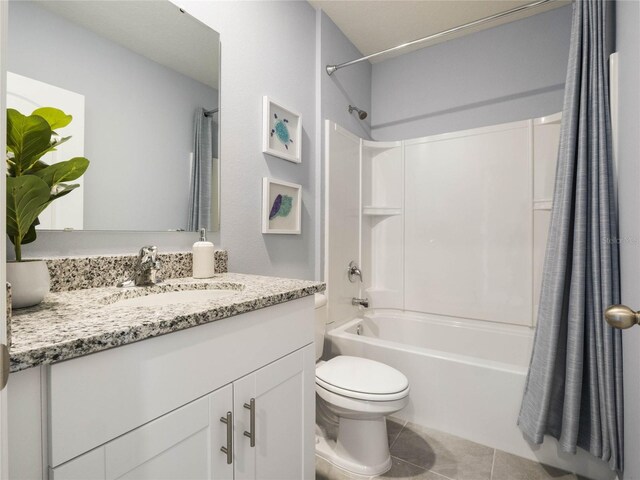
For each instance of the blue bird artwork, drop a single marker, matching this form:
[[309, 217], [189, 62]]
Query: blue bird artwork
[[281, 206], [281, 131]]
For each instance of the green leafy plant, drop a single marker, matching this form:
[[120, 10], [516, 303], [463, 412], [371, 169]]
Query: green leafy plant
[[31, 183]]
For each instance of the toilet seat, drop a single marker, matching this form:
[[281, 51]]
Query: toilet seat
[[362, 379]]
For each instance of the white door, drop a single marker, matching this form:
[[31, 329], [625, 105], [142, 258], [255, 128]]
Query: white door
[[4, 444], [626, 123], [25, 95], [283, 417]]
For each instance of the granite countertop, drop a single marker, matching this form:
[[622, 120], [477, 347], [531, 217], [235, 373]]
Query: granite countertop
[[74, 323]]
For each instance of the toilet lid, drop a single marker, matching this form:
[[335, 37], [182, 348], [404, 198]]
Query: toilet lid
[[361, 375]]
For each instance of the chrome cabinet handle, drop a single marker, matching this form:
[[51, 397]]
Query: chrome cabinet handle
[[228, 450], [621, 316], [251, 406]]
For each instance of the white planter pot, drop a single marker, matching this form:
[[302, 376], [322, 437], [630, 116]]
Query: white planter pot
[[29, 282]]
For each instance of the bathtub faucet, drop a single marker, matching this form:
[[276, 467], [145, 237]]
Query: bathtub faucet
[[354, 271], [363, 302]]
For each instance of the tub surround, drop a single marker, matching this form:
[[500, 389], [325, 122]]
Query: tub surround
[[75, 273], [73, 323], [408, 265]]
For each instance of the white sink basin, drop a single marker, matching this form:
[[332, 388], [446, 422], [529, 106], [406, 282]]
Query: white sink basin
[[174, 298]]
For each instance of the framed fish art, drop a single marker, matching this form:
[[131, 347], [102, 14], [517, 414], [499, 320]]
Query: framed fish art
[[281, 206], [281, 131]]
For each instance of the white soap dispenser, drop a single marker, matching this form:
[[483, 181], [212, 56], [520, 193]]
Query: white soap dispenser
[[204, 263]]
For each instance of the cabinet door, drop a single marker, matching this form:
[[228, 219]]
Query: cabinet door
[[284, 410], [183, 444]]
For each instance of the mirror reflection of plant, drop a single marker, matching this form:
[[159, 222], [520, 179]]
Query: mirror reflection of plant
[[31, 183]]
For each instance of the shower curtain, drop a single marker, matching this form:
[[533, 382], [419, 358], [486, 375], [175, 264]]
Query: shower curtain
[[201, 173], [574, 386]]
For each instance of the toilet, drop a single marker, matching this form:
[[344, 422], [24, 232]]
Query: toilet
[[359, 393]]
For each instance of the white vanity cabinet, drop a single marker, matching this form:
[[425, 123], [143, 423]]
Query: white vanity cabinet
[[154, 409]]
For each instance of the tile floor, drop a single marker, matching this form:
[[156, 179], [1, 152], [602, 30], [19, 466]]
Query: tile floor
[[420, 453]]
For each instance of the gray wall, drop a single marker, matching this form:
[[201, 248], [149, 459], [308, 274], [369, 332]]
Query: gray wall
[[628, 47], [511, 72], [268, 48], [138, 124], [350, 86]]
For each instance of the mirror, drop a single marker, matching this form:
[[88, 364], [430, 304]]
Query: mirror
[[141, 80]]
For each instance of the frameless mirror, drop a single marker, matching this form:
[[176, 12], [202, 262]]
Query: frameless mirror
[[141, 80]]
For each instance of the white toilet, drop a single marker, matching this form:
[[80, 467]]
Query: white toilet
[[360, 393]]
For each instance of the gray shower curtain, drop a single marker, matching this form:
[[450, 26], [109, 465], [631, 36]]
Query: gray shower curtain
[[201, 173], [574, 386]]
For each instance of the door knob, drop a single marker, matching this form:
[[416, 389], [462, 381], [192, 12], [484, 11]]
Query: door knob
[[621, 316]]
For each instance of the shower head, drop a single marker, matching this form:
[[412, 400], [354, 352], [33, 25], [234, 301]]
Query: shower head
[[361, 113]]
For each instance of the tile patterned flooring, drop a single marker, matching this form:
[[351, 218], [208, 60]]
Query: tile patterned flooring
[[420, 453]]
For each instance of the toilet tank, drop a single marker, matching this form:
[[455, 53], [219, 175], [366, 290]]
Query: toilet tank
[[321, 320]]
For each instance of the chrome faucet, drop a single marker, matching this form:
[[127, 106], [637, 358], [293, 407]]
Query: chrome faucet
[[354, 271], [361, 302], [146, 268]]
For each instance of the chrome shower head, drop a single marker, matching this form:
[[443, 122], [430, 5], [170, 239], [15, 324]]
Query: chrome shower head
[[361, 113]]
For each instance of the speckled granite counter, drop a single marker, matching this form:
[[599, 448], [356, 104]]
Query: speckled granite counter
[[74, 323]]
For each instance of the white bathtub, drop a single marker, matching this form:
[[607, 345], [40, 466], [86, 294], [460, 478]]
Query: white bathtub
[[466, 377]]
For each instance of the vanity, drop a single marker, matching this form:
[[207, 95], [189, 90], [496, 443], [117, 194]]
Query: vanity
[[215, 383]]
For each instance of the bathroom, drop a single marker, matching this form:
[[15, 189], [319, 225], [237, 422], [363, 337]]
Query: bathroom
[[139, 381]]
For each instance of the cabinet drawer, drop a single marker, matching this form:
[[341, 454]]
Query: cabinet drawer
[[96, 398]]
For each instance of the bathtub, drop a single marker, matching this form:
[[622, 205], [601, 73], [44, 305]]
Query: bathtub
[[466, 377]]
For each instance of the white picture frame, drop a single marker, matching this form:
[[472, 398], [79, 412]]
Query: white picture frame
[[281, 131], [276, 217]]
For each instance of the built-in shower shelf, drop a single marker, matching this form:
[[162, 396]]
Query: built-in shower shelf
[[381, 211], [542, 204]]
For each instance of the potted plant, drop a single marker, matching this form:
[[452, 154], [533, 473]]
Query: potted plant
[[31, 186]]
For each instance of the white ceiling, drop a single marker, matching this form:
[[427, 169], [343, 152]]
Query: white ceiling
[[156, 30], [375, 25]]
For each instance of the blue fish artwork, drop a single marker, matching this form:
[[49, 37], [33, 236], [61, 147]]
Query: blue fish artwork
[[281, 206], [281, 131]]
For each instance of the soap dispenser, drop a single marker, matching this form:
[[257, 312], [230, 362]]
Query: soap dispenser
[[203, 257]]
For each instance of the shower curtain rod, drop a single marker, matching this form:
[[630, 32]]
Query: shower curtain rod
[[208, 113], [332, 68]]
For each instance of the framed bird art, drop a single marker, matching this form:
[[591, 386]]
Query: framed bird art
[[282, 131], [281, 206]]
